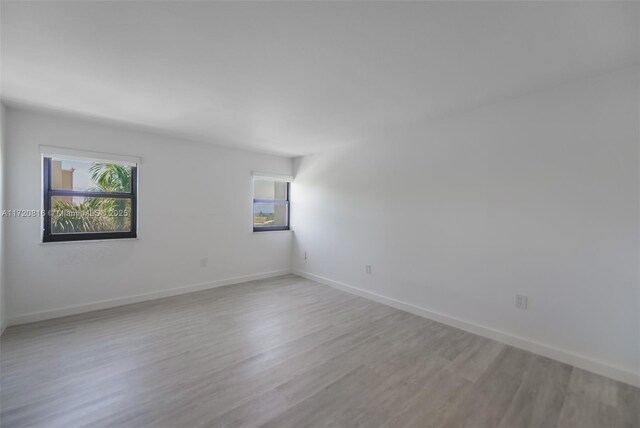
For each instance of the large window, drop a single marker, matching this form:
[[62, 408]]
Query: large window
[[88, 199], [270, 204]]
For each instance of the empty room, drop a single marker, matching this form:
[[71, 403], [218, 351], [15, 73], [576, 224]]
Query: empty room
[[319, 214]]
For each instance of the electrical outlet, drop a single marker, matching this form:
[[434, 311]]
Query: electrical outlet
[[367, 269], [204, 262], [521, 301]]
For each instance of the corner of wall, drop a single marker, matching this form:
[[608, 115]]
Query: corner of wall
[[295, 164]]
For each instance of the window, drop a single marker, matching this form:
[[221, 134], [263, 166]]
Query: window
[[88, 199], [270, 203]]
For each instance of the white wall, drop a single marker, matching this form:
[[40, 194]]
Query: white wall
[[3, 321], [194, 202], [537, 195]]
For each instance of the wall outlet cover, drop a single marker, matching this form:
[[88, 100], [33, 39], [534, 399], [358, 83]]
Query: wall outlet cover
[[521, 301]]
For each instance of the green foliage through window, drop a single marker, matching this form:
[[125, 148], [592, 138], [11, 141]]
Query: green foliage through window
[[89, 198]]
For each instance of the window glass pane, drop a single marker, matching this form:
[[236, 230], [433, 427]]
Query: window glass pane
[[90, 176], [83, 215], [280, 189], [269, 189], [270, 215]]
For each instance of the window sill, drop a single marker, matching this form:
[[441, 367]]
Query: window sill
[[88, 241], [263, 232]]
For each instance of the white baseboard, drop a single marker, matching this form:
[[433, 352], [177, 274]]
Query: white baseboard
[[106, 304], [595, 366]]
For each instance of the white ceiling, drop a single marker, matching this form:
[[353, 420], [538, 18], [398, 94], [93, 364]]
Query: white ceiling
[[295, 78]]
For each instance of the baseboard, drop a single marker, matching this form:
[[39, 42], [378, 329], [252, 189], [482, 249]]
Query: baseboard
[[106, 304], [595, 366]]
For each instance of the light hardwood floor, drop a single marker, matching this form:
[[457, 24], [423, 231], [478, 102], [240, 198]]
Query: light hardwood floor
[[287, 352]]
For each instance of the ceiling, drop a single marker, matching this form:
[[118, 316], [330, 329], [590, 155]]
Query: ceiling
[[295, 78]]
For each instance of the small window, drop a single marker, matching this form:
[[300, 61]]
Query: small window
[[86, 200], [270, 204]]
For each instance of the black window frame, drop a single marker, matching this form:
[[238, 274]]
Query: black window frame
[[49, 193], [271, 201]]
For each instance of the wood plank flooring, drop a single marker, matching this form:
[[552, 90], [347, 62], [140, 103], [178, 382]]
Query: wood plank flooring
[[287, 352]]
